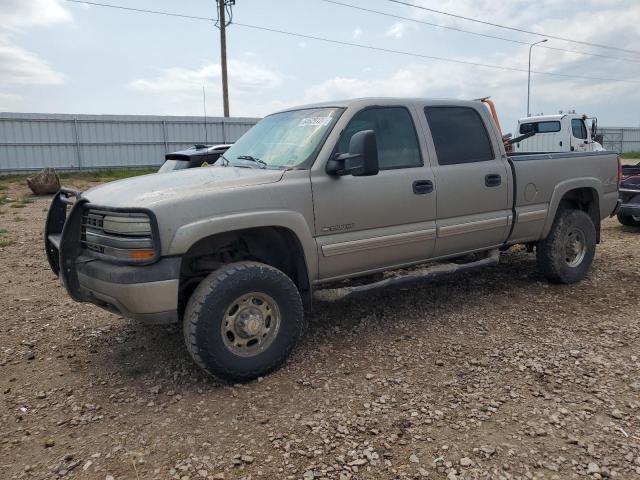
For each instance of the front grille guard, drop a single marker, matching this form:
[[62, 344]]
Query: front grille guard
[[56, 218], [63, 232]]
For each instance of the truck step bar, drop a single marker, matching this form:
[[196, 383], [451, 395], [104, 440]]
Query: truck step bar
[[427, 272]]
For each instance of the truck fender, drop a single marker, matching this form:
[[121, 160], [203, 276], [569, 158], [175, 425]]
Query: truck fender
[[561, 189], [187, 235]]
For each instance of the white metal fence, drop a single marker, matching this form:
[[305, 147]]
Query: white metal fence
[[31, 141], [621, 139]]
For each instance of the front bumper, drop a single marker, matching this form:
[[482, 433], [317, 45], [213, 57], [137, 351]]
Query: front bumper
[[629, 202], [629, 210], [147, 293]]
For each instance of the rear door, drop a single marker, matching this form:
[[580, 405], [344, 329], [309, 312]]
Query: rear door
[[385, 220], [472, 180]]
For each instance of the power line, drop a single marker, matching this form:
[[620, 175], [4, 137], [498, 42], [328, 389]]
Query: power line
[[486, 35], [484, 22], [143, 10], [359, 45], [431, 57]]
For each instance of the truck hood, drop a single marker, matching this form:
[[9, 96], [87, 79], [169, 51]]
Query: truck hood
[[148, 190]]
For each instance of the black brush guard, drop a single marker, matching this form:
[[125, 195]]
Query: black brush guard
[[61, 238]]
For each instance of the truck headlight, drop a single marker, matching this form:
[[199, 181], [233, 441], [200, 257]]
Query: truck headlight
[[126, 225], [119, 237]]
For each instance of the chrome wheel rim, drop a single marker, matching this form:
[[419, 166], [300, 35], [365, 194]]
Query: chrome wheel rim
[[575, 247], [250, 324], [636, 218]]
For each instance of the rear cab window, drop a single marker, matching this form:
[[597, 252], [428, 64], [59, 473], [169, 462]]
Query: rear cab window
[[459, 135], [539, 127], [395, 134]]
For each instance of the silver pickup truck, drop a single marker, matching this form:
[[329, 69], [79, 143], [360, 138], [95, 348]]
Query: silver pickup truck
[[313, 195]]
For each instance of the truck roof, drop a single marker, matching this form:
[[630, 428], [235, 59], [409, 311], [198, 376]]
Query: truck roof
[[383, 101], [542, 118]]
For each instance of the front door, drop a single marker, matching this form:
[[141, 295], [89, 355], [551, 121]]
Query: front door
[[365, 224], [472, 180], [579, 140]]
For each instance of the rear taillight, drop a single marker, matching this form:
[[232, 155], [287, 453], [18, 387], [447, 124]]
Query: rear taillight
[[619, 171]]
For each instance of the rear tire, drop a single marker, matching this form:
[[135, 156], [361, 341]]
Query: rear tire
[[566, 254], [243, 321], [629, 220]]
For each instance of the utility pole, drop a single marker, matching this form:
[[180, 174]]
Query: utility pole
[[223, 53], [529, 75]]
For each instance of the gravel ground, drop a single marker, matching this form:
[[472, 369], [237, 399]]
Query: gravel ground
[[492, 374]]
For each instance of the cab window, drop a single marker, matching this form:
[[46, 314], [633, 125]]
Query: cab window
[[395, 134], [578, 128], [459, 135]]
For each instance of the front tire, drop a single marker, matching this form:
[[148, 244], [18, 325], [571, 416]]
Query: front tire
[[566, 254], [243, 321], [629, 220]]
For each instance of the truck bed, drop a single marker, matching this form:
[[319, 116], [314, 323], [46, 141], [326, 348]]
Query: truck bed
[[542, 178]]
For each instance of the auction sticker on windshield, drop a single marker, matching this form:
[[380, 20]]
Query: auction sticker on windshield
[[314, 121]]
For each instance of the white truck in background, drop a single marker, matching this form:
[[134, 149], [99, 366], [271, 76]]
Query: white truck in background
[[564, 132]]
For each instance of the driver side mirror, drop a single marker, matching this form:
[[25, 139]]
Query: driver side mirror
[[362, 159]]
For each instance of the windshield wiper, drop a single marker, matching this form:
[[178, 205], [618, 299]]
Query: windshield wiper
[[225, 159], [253, 159]]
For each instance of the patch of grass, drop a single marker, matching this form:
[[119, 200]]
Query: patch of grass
[[17, 205], [631, 155], [5, 243], [26, 199], [4, 199], [75, 179], [18, 219], [3, 231], [105, 175]]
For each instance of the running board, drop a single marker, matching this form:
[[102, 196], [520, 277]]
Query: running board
[[426, 273]]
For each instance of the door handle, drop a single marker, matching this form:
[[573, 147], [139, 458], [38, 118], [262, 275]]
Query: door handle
[[492, 180], [421, 187]]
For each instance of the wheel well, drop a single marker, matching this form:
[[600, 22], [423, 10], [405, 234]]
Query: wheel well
[[275, 246], [585, 199]]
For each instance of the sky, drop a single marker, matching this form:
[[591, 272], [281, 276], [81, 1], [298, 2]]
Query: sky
[[62, 57]]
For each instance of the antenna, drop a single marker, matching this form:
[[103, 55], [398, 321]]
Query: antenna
[[204, 107]]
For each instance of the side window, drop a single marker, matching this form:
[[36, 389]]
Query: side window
[[395, 134], [459, 135], [578, 128], [527, 128]]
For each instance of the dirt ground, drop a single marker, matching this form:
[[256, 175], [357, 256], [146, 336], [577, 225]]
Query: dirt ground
[[493, 374]]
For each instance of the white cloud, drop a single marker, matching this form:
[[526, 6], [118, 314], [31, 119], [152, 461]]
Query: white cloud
[[243, 77], [21, 14], [18, 66], [181, 88], [357, 33], [398, 29], [439, 79]]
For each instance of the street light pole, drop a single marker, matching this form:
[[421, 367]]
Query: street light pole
[[529, 74]]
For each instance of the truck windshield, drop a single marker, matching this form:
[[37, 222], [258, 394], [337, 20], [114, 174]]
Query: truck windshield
[[282, 140]]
